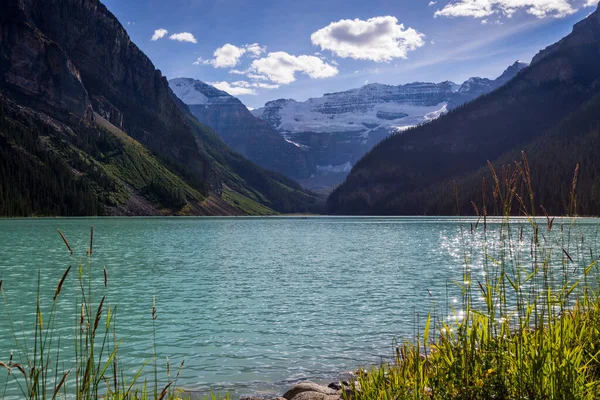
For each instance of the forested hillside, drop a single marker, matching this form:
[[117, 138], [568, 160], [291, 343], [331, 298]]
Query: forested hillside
[[88, 126], [549, 110]]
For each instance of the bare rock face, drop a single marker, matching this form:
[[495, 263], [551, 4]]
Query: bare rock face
[[109, 112], [37, 69], [525, 114], [72, 63], [121, 80]]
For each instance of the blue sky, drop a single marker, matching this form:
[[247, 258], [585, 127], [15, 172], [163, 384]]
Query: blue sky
[[264, 50]]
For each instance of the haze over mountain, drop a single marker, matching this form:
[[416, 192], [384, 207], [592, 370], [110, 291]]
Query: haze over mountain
[[89, 126], [550, 110]]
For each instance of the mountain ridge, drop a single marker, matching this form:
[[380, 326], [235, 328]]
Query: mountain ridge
[[393, 177], [339, 128], [246, 134], [318, 146], [76, 93]]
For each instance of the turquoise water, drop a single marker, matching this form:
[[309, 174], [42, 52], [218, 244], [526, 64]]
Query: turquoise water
[[252, 304]]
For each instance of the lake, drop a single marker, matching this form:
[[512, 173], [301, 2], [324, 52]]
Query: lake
[[252, 304]]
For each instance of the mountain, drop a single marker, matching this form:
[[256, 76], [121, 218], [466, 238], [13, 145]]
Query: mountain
[[251, 137], [89, 126], [336, 130], [550, 111]]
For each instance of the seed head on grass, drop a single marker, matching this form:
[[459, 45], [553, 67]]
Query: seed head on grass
[[154, 315], [165, 391], [20, 368], [66, 241], [60, 384], [98, 316], [91, 240], [60, 284]]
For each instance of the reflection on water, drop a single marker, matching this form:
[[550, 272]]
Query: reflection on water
[[253, 304]]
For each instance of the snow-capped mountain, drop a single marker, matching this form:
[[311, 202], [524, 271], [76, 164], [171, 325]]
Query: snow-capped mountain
[[246, 134], [318, 141], [195, 92], [391, 107], [370, 107], [339, 128]]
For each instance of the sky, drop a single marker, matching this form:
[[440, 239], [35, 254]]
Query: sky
[[263, 50]]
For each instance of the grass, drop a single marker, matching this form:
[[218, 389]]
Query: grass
[[42, 367], [245, 204], [528, 325]]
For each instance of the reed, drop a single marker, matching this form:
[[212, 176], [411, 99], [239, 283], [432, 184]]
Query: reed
[[42, 369], [528, 326]]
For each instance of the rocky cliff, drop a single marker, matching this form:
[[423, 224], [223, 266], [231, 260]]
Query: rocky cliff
[[243, 132], [79, 98]]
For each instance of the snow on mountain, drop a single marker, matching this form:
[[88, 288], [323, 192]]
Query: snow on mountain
[[243, 132], [370, 107], [194, 92], [329, 133], [335, 169], [376, 106]]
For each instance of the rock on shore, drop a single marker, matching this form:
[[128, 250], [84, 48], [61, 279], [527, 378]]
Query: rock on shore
[[311, 391]]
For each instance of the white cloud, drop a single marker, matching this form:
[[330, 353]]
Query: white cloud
[[257, 77], [265, 85], [234, 88], [432, 3], [229, 55], [183, 37], [486, 8], [591, 3], [239, 88], [484, 22], [255, 50], [281, 67], [378, 39], [159, 34]]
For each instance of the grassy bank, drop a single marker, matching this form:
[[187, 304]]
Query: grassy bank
[[528, 322]]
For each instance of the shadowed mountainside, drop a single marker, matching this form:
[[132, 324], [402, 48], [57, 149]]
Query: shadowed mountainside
[[550, 110], [87, 118]]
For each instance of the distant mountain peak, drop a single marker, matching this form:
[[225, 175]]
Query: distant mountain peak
[[195, 92], [246, 134], [511, 72]]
